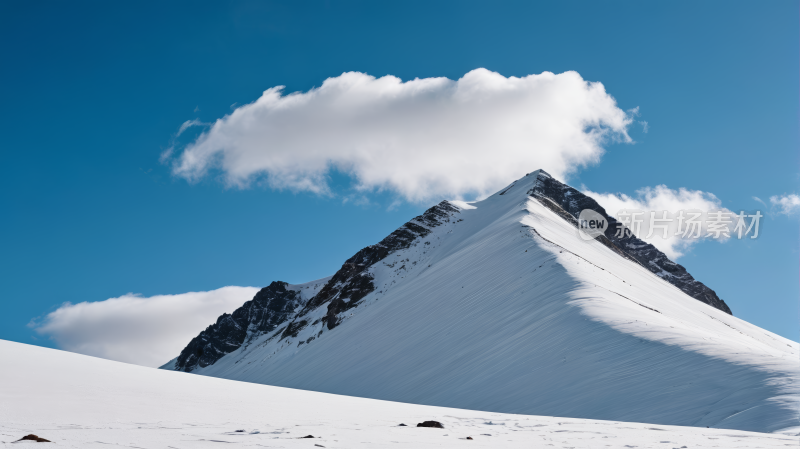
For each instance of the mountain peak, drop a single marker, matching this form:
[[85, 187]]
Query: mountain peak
[[498, 305], [281, 304]]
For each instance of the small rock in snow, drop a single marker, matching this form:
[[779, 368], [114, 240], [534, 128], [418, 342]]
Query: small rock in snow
[[435, 424], [33, 437]]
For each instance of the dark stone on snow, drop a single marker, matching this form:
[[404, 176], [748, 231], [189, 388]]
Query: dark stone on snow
[[435, 424], [402, 425], [568, 203], [33, 437], [307, 436]]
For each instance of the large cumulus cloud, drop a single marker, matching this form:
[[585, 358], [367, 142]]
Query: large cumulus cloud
[[423, 139]]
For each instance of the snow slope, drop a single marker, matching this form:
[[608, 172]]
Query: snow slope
[[503, 308], [78, 401]]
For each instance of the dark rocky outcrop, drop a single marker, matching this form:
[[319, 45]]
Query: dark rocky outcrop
[[568, 203], [271, 306], [275, 305], [353, 282]]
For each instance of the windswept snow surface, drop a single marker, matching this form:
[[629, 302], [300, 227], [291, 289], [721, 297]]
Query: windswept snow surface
[[504, 308], [77, 401]]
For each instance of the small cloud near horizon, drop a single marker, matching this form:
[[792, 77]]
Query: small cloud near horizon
[[147, 331]]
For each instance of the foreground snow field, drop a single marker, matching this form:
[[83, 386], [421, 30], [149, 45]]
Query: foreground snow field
[[499, 305], [78, 401]]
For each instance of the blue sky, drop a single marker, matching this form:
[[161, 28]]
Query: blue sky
[[94, 93]]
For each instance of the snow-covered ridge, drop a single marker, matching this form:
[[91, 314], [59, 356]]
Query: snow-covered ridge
[[573, 202], [501, 307]]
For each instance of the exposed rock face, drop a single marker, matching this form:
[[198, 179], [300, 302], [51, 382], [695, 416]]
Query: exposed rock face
[[352, 282], [573, 202], [271, 306], [276, 305]]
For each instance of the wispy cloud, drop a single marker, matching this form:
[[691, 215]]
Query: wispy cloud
[[423, 139], [190, 123], [134, 329], [167, 154]]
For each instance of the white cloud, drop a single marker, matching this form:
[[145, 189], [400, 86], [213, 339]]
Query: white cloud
[[423, 139], [658, 199], [145, 331], [190, 123], [788, 204], [166, 155]]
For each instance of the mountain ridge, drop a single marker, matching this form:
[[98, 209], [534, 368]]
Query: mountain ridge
[[352, 283], [498, 305], [573, 202]]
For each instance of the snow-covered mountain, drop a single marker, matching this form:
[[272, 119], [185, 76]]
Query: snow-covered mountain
[[499, 306]]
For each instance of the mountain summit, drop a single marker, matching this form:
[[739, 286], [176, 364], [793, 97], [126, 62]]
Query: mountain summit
[[498, 305]]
